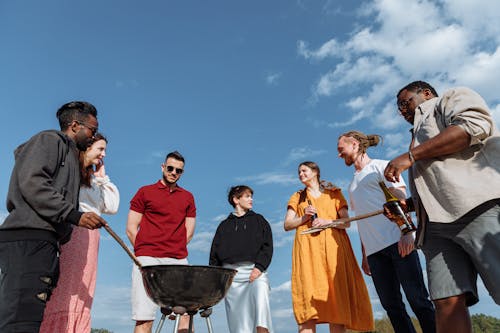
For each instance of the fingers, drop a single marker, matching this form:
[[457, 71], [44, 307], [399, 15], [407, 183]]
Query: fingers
[[366, 268], [405, 248], [91, 221], [391, 173]]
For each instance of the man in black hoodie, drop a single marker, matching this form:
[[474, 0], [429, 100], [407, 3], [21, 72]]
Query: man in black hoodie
[[43, 206]]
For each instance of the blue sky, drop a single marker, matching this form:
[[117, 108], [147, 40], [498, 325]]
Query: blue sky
[[244, 89]]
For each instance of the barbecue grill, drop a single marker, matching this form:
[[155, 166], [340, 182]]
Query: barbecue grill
[[182, 289]]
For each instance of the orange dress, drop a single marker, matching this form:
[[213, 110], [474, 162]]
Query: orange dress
[[327, 284]]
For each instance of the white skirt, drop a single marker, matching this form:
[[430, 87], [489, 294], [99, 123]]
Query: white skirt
[[247, 304]]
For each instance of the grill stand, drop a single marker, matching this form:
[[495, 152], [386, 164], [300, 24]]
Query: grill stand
[[178, 311]]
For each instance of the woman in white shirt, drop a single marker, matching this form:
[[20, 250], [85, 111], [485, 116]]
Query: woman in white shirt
[[69, 307]]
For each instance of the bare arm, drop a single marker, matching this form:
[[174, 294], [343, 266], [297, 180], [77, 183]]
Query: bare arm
[[364, 263], [292, 221], [133, 222], [190, 224], [451, 140], [343, 213]]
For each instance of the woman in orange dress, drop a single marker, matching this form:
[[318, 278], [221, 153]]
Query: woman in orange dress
[[327, 285]]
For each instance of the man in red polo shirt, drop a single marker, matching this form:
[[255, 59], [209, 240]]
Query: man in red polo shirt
[[160, 223]]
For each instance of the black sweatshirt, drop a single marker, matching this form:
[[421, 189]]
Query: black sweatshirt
[[244, 238]]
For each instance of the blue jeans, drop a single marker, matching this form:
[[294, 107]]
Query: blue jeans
[[389, 272]]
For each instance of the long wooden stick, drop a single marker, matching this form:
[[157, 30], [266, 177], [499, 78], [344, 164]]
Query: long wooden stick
[[122, 244], [341, 221]]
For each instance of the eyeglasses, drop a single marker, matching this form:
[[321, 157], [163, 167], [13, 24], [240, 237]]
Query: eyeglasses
[[403, 104], [91, 128], [171, 169]]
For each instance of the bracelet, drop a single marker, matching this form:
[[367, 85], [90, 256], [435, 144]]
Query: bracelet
[[410, 155]]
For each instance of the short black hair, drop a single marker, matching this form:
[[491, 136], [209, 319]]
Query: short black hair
[[418, 85], [76, 110], [237, 192], [175, 155]]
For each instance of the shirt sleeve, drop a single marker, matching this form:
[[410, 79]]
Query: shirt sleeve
[[465, 108], [137, 203], [265, 254], [214, 257], [110, 197], [294, 202], [191, 209]]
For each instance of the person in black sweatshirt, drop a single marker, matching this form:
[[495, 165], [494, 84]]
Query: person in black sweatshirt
[[244, 241], [42, 202]]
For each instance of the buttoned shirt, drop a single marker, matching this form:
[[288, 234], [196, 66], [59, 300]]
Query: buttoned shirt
[[450, 186]]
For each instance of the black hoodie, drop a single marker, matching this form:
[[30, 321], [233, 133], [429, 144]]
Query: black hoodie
[[43, 189], [244, 238]]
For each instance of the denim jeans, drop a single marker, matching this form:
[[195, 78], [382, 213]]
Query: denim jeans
[[389, 272]]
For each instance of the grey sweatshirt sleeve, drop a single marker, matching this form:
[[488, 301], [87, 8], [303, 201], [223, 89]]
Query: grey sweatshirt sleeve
[[38, 165]]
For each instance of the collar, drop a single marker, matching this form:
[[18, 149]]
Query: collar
[[249, 213], [163, 186]]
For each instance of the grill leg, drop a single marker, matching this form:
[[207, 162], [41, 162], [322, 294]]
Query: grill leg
[[160, 324], [190, 323], [176, 325], [209, 324]]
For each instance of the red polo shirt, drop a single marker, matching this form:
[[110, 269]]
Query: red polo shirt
[[162, 231]]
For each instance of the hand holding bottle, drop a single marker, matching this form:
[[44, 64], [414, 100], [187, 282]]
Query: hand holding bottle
[[395, 211]]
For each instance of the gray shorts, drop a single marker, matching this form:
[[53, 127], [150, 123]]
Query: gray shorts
[[457, 252], [143, 308]]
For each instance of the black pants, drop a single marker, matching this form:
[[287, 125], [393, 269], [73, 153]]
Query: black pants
[[389, 273], [29, 270]]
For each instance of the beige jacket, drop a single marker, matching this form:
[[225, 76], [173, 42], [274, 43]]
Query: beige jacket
[[449, 186]]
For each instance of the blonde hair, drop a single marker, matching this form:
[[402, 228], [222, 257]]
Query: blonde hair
[[363, 139]]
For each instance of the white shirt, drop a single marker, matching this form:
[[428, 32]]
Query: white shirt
[[365, 194], [102, 197]]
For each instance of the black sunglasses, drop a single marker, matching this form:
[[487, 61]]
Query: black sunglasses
[[177, 170]]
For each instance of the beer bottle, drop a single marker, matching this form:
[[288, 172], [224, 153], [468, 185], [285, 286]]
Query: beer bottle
[[315, 216], [401, 218]]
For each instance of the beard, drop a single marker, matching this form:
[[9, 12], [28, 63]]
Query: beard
[[168, 182], [82, 145], [348, 161], [82, 141]]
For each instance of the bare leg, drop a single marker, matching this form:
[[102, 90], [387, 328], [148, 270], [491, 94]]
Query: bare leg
[[184, 324], [337, 328], [261, 329], [143, 326], [452, 315], [308, 327]]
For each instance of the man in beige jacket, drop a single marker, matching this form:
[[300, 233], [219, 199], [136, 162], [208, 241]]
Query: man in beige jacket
[[454, 175]]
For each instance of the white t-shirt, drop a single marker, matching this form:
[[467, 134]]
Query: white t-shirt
[[365, 194]]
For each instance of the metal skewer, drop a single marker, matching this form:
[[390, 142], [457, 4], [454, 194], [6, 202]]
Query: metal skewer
[[341, 222]]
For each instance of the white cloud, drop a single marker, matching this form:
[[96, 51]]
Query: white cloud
[[282, 313], [300, 154], [270, 178], [495, 111], [329, 49], [273, 78], [219, 218], [443, 42], [396, 143], [284, 287], [202, 242]]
